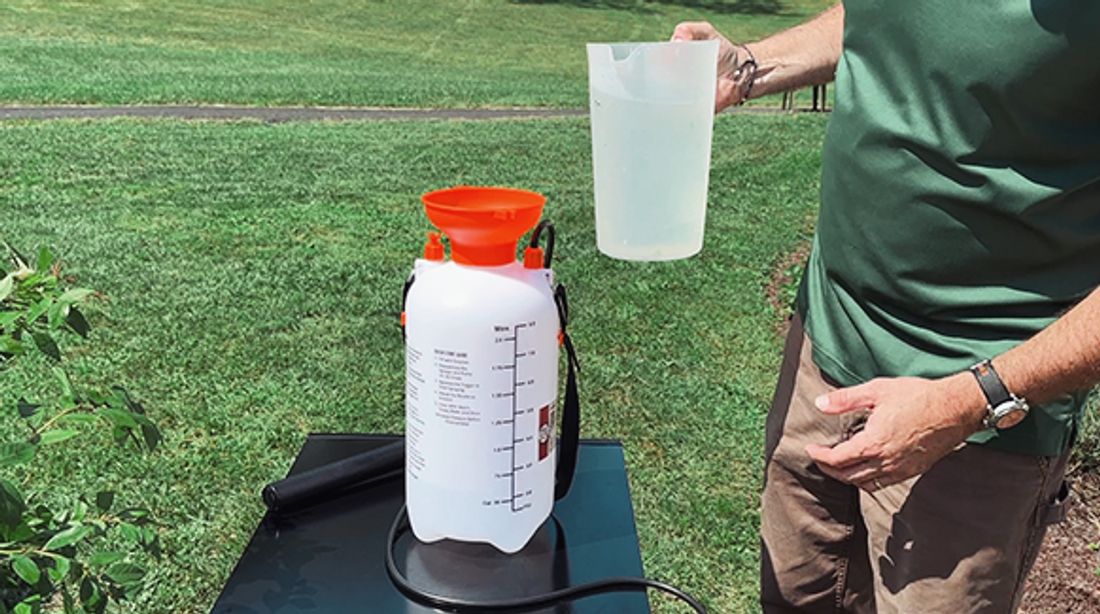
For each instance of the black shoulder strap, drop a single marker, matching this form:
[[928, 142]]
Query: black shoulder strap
[[569, 443], [405, 300]]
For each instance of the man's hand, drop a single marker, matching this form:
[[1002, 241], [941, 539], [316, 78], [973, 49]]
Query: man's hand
[[728, 92], [804, 55], [914, 422]]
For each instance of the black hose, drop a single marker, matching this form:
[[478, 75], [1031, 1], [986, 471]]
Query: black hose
[[520, 604]]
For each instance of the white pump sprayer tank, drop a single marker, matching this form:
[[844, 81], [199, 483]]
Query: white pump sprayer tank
[[482, 337]]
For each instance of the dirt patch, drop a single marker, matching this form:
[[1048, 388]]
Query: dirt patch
[[1066, 577], [782, 284]]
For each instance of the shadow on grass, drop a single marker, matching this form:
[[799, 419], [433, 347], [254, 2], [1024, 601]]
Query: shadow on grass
[[750, 7]]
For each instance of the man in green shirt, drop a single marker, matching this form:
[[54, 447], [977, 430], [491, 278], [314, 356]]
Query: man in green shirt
[[948, 323]]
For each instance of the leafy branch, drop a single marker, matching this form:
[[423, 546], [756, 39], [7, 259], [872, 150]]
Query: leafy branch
[[49, 554]]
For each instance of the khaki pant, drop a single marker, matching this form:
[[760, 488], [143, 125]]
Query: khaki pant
[[960, 538]]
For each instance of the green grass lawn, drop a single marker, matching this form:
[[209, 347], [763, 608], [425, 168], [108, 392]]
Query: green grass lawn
[[253, 272], [455, 53]]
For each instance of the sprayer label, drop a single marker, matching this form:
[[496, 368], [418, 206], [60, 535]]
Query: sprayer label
[[414, 423], [456, 389]]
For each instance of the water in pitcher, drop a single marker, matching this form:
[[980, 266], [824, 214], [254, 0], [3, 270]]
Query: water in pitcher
[[652, 111], [651, 162]]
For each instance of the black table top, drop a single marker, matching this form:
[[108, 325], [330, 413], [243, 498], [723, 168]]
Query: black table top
[[330, 557]]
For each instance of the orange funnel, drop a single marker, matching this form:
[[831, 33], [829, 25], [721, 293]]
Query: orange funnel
[[483, 224]]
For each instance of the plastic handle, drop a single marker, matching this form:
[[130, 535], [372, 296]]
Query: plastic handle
[[327, 481]]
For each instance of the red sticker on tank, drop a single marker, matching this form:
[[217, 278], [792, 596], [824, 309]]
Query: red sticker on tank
[[544, 431]]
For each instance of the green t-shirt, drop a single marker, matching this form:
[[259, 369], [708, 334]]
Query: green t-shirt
[[960, 197]]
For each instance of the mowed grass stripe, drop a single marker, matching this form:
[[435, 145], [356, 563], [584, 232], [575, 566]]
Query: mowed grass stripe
[[421, 53]]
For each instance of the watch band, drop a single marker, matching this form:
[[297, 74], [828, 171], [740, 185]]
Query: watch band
[[994, 389]]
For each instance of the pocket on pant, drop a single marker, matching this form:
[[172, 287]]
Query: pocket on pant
[[1054, 511]]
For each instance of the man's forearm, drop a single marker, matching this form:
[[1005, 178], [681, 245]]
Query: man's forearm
[[1064, 357], [801, 56]]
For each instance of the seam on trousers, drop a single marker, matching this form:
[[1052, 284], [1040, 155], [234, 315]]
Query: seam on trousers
[[1033, 526], [846, 561]]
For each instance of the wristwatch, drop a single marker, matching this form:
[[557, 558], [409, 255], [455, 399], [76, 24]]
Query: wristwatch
[[1003, 409]]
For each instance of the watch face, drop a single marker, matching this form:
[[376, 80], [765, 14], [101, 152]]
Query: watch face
[[1011, 418]]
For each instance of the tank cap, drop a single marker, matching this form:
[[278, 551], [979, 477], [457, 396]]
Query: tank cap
[[433, 249], [533, 258]]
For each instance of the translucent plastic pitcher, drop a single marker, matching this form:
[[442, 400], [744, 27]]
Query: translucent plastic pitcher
[[652, 111]]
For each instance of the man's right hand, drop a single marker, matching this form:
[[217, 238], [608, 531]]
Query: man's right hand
[[728, 92]]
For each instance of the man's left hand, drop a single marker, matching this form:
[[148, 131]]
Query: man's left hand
[[913, 423]]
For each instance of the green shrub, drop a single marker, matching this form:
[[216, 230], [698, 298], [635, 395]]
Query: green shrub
[[54, 553]]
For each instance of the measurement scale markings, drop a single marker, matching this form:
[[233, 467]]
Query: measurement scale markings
[[515, 361]]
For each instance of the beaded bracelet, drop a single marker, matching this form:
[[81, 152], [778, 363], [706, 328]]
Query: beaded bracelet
[[748, 66]]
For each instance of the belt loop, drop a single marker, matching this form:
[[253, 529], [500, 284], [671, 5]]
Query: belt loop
[[1054, 512]]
